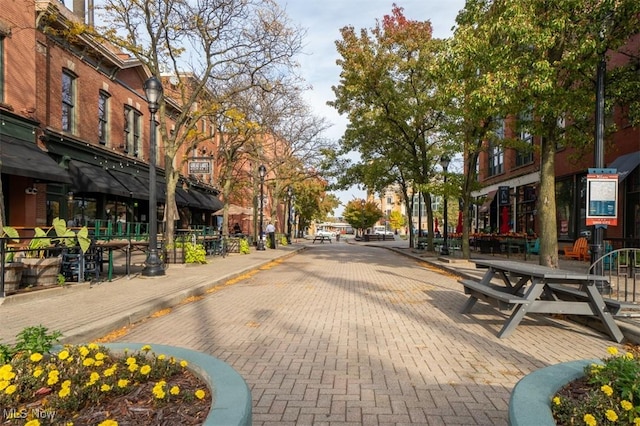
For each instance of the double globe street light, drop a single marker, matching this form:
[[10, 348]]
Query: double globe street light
[[153, 265], [262, 171]]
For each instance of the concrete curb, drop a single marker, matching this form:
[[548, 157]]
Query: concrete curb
[[97, 329]]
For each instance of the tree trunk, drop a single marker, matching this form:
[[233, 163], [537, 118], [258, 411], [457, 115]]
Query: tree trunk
[[546, 204]]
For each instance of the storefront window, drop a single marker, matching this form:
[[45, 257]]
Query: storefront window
[[564, 207]]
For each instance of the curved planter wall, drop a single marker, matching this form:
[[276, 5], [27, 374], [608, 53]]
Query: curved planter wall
[[231, 395], [530, 403]]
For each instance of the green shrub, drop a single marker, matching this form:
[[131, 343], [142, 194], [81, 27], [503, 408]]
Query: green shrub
[[244, 246], [30, 340], [194, 253]]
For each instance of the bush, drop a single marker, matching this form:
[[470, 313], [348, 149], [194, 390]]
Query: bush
[[611, 394], [244, 246]]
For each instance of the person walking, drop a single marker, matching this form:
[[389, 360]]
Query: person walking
[[271, 232]]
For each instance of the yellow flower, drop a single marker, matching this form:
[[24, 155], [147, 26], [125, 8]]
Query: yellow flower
[[88, 362], [606, 389], [63, 354], [83, 351], [589, 420], [38, 372], [133, 367], [183, 363], [34, 422], [105, 388], [108, 423], [92, 346], [612, 350], [64, 392], [131, 361], [611, 415], [10, 389], [626, 405], [6, 372], [35, 357], [3, 384], [66, 384], [146, 348], [94, 377], [109, 371], [636, 421], [174, 390], [200, 394], [53, 377], [145, 369], [161, 357], [628, 356], [122, 383], [99, 363], [556, 400], [100, 356]]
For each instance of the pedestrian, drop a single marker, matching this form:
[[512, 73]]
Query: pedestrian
[[271, 232]]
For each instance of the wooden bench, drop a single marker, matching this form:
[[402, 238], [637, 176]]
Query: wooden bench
[[494, 295], [321, 238], [613, 306]]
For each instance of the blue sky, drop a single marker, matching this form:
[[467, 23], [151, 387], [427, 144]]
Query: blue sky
[[322, 19]]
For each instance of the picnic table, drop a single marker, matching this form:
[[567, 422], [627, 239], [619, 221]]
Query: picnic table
[[321, 238], [526, 288]]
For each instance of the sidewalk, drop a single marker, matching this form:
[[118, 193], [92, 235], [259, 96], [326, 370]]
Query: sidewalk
[[83, 312]]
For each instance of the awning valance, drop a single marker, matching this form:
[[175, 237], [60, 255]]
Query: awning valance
[[135, 186], [23, 158], [484, 208]]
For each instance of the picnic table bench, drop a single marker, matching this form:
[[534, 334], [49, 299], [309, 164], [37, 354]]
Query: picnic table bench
[[321, 238], [526, 288]]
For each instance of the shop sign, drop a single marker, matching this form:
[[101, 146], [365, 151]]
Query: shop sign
[[602, 197]]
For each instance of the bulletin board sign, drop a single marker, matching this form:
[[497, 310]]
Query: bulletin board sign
[[602, 197]]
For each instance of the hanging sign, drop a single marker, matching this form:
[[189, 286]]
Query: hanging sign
[[602, 197], [199, 167]]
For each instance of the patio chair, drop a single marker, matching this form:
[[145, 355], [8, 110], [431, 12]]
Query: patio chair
[[579, 251], [533, 246]]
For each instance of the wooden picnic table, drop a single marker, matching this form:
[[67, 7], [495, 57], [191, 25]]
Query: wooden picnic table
[[528, 288], [321, 238]]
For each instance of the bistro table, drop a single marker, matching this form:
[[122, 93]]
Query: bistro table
[[528, 288]]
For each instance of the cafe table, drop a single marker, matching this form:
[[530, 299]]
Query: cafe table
[[526, 288]]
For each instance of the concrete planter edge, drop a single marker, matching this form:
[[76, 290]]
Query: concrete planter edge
[[530, 402], [232, 402]]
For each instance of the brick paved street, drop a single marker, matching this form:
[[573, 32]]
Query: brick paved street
[[346, 334]]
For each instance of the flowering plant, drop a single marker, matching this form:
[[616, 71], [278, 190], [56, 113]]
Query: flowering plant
[[609, 393], [46, 388]]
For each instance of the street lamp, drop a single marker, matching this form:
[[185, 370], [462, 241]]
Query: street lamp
[[362, 203], [153, 265], [289, 200], [444, 162], [262, 171]]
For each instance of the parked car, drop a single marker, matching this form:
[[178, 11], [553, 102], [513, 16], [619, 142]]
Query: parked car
[[380, 230], [325, 233]]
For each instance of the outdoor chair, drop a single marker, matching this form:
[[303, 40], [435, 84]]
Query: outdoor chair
[[579, 251], [533, 246]]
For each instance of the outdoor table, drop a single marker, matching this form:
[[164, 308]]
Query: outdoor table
[[528, 288]]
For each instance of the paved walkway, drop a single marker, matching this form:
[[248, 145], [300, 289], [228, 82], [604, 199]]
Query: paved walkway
[[337, 334]]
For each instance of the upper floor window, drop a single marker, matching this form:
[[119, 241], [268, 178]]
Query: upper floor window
[[68, 101], [525, 155], [132, 129], [495, 152], [103, 117]]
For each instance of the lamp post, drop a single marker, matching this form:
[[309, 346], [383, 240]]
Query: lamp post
[[362, 203], [153, 265], [262, 171], [444, 162], [289, 200]]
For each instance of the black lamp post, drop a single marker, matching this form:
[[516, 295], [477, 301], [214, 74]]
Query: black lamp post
[[289, 200], [444, 162], [153, 265], [262, 171], [362, 203]]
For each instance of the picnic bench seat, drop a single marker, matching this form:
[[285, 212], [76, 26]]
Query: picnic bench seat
[[615, 307], [493, 295], [321, 238]]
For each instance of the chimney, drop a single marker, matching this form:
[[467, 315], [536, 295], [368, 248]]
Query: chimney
[[79, 9]]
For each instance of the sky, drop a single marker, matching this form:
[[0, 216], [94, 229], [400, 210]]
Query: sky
[[322, 19]]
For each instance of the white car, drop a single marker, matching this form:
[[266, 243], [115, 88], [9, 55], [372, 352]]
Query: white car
[[323, 233], [380, 230]]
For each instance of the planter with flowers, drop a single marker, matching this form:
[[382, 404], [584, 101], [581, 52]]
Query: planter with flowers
[[102, 384], [586, 392]]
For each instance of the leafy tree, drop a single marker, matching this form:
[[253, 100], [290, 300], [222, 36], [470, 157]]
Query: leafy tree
[[312, 202], [361, 214], [397, 220]]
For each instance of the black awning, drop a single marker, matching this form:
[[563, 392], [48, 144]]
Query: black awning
[[184, 198], [26, 159], [484, 208], [625, 164], [137, 189], [207, 201], [89, 178]]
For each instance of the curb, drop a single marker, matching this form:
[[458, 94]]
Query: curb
[[97, 329]]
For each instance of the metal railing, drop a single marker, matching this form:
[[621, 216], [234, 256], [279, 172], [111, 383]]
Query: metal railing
[[622, 268]]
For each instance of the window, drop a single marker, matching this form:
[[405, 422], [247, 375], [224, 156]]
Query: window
[[495, 152], [68, 101], [132, 119], [524, 155], [103, 117]]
